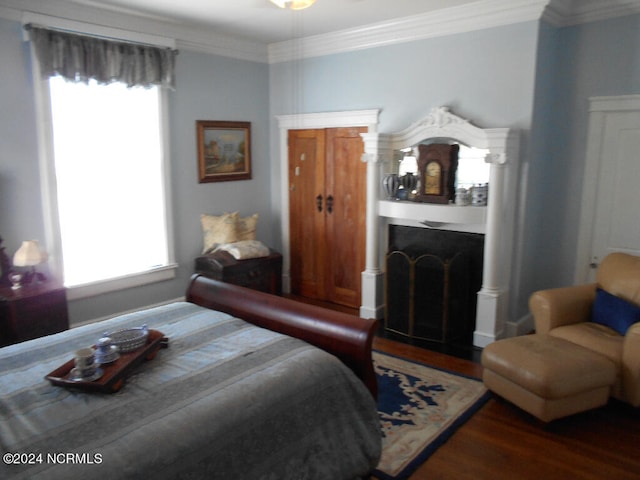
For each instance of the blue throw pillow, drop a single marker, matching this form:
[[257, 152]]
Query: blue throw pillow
[[614, 312]]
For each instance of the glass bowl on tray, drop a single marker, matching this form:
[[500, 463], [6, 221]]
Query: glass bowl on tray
[[129, 339]]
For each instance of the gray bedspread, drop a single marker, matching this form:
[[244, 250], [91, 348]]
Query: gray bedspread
[[226, 400]]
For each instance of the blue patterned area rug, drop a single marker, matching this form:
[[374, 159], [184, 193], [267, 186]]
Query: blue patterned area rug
[[420, 407]]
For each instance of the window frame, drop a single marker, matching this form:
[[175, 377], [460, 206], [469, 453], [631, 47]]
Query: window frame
[[50, 203]]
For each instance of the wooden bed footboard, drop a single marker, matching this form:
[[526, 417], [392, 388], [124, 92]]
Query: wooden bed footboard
[[348, 337]]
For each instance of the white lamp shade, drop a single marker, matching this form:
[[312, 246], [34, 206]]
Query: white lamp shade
[[408, 164], [29, 254], [293, 4]]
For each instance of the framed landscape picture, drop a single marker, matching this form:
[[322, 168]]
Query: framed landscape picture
[[224, 150]]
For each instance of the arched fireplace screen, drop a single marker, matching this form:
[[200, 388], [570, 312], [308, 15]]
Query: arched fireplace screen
[[432, 278]]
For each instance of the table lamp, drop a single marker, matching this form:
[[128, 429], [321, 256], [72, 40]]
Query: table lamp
[[29, 255]]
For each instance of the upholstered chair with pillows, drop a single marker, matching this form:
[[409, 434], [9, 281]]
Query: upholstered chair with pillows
[[603, 317]]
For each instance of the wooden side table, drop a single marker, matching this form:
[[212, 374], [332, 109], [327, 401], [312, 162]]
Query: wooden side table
[[32, 311]]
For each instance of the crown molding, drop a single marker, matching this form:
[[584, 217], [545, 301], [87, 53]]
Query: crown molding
[[564, 13], [10, 13], [557, 11], [207, 42], [65, 24], [461, 19], [476, 16], [602, 12]]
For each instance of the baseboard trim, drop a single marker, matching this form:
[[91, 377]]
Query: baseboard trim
[[523, 326]]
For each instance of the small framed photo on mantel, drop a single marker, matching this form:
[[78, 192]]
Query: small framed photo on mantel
[[224, 150]]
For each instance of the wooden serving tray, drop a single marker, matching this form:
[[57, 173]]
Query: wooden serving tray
[[116, 372]]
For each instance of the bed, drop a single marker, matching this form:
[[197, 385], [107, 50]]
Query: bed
[[252, 386]]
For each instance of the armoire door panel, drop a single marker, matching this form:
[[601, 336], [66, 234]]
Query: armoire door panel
[[346, 183], [306, 186]]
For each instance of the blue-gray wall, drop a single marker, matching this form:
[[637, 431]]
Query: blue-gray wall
[[595, 59], [20, 199], [535, 251], [209, 88], [529, 76]]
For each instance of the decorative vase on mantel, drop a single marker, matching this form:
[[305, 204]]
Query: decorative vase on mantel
[[409, 181], [480, 195], [391, 183]]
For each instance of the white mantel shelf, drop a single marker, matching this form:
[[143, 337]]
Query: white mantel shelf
[[449, 217]]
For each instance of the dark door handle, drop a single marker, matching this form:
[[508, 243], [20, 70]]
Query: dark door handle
[[330, 204], [319, 202]]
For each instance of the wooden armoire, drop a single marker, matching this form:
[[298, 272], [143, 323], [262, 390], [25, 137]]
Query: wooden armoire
[[327, 206]]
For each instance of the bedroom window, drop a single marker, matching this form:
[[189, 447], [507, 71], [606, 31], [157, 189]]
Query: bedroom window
[[107, 151], [104, 132]]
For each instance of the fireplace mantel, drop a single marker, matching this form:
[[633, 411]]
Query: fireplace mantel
[[496, 220], [470, 219]]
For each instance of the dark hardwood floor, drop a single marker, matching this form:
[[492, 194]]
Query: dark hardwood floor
[[462, 348], [502, 442]]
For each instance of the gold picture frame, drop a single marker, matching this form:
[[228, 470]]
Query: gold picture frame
[[224, 150]]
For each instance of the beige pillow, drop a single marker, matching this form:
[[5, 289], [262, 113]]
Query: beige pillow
[[219, 229], [246, 227]]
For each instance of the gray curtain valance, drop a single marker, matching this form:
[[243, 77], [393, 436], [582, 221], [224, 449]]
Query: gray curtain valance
[[80, 58]]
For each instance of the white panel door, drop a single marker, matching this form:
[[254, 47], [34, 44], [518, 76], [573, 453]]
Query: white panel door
[[615, 206]]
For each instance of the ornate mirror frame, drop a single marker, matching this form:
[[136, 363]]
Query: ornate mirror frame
[[498, 223]]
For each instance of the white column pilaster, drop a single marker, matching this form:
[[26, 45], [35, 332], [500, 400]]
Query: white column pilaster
[[372, 278], [491, 298]]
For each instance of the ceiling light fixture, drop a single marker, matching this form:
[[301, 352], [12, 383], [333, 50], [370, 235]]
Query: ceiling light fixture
[[293, 4]]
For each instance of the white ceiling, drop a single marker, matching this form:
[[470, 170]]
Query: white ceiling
[[262, 21]]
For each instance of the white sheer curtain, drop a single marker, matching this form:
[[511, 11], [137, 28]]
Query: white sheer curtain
[[107, 158], [81, 58]]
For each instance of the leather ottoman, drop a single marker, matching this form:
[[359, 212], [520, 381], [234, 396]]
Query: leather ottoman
[[546, 376]]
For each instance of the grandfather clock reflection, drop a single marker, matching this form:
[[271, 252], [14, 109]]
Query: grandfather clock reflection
[[437, 165]]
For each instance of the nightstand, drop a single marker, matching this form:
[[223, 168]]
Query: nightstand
[[32, 311]]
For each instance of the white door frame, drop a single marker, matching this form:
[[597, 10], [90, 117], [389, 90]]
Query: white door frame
[[599, 108], [355, 118]]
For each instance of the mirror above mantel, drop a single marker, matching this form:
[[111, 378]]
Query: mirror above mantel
[[472, 168], [472, 172], [479, 149]]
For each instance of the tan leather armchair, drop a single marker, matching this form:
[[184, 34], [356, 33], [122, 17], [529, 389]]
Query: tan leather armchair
[[566, 313]]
